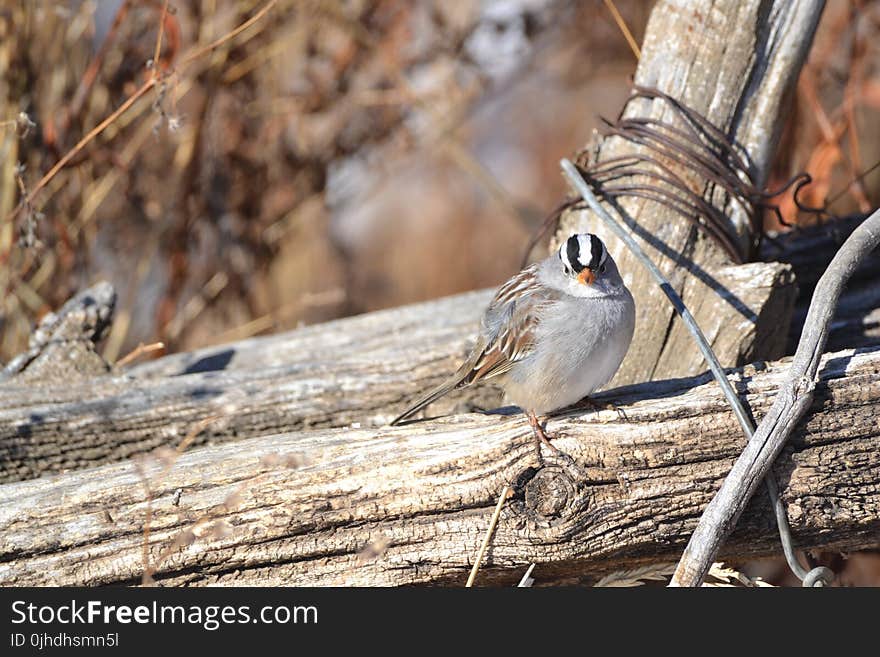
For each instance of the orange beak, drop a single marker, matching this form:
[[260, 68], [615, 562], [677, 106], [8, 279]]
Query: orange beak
[[586, 277]]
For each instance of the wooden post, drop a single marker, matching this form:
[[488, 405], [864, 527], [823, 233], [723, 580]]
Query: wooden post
[[734, 62]]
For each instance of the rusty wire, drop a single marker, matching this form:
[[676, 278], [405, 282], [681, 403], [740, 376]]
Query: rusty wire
[[682, 166]]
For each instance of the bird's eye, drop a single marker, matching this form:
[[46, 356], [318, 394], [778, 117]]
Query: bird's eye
[[602, 269]]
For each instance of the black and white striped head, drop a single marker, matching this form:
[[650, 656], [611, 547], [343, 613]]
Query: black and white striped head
[[583, 257]]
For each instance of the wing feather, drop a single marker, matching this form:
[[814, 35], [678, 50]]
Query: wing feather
[[508, 328], [506, 335]]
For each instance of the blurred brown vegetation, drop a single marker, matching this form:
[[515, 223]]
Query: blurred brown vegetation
[[833, 131], [334, 157]]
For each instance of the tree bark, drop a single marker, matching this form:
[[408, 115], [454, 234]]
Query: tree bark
[[734, 63], [410, 504]]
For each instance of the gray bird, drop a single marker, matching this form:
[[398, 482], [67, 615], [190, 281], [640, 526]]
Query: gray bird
[[554, 333]]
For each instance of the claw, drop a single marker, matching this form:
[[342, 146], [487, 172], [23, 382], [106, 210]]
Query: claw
[[538, 431], [605, 406]]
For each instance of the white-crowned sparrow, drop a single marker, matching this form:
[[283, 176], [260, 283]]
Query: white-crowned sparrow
[[553, 334]]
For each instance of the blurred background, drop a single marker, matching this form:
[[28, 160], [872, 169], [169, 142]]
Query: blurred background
[[337, 157]]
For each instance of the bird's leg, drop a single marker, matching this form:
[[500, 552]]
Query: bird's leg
[[604, 406], [540, 436]]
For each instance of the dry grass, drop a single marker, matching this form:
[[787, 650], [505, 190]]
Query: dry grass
[[152, 470], [719, 575], [188, 143], [487, 538], [833, 133]]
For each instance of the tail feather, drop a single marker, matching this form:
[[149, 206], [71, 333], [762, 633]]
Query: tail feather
[[430, 397]]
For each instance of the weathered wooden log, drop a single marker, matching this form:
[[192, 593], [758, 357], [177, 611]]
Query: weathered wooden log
[[809, 251], [734, 63], [410, 504], [360, 370], [357, 370], [744, 313]]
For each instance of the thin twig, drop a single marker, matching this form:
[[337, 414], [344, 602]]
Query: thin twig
[[527, 579], [624, 28], [794, 399], [229, 35], [159, 36], [491, 530], [138, 351]]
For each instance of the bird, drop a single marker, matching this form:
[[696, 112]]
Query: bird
[[552, 335]]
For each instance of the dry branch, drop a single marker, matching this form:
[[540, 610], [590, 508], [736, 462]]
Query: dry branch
[[631, 495], [794, 398]]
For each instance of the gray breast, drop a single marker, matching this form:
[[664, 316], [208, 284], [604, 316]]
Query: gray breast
[[579, 345]]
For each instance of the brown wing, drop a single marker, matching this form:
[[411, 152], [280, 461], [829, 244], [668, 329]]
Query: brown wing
[[508, 327], [506, 336]]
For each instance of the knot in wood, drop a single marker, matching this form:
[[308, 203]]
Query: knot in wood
[[550, 493]]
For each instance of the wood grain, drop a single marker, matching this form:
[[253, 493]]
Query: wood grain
[[361, 371], [300, 508]]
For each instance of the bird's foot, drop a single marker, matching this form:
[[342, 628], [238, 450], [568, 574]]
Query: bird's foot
[[604, 406], [540, 436]]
